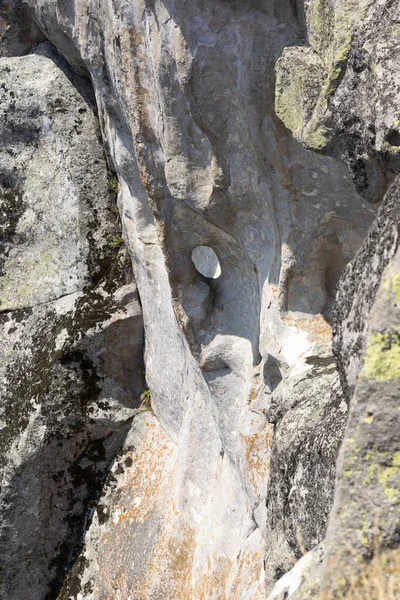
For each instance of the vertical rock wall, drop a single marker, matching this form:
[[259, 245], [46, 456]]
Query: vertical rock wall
[[70, 321], [355, 115]]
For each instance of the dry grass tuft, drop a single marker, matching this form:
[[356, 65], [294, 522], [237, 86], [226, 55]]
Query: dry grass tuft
[[377, 580], [350, 579]]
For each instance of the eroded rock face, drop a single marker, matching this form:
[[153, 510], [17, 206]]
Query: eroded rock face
[[18, 31], [185, 94], [217, 493], [310, 414], [70, 322], [303, 581], [352, 51], [365, 514]]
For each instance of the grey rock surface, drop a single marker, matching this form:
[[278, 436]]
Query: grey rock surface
[[365, 515], [339, 92], [351, 48], [303, 581], [18, 31], [186, 105], [228, 475], [359, 286], [70, 324], [310, 415]]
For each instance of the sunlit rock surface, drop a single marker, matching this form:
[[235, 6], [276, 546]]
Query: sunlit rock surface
[[238, 235]]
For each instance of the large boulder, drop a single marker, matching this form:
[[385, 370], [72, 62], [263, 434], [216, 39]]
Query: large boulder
[[365, 517]]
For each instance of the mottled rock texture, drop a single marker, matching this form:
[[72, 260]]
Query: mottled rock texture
[[356, 116], [340, 91], [229, 476], [186, 102], [70, 322], [303, 581], [365, 513]]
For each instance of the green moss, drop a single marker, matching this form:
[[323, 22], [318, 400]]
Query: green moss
[[145, 397], [396, 459], [370, 474], [331, 34], [316, 138], [113, 185], [333, 79], [338, 63], [116, 241], [320, 19], [347, 473], [382, 356], [289, 101], [375, 455], [300, 75], [383, 473], [351, 466], [364, 540]]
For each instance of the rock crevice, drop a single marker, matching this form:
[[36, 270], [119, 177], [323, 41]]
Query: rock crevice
[[245, 163]]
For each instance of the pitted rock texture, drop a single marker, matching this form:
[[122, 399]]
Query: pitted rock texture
[[356, 116], [71, 328], [18, 31], [339, 92], [309, 414], [358, 288], [303, 581]]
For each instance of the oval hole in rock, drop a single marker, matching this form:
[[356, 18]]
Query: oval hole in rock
[[206, 262]]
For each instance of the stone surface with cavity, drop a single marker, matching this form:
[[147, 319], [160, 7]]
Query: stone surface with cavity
[[239, 366]]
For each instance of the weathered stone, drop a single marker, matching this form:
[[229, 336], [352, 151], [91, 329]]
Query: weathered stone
[[71, 332], [365, 515], [359, 112], [310, 414], [186, 104], [358, 288], [303, 581], [236, 453], [18, 31], [352, 63]]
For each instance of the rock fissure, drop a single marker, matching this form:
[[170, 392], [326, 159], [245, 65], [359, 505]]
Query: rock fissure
[[171, 406]]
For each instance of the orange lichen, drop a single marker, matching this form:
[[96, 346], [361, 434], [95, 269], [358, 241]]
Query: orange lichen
[[316, 326], [169, 572], [257, 453], [249, 576], [170, 569], [213, 584], [3, 27], [255, 388]]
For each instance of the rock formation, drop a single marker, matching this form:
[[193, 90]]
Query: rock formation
[[182, 185]]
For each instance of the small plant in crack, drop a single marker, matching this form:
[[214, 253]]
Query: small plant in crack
[[113, 185], [116, 241], [145, 397]]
